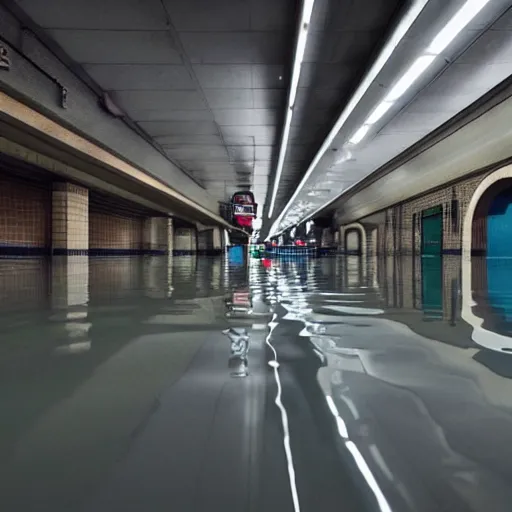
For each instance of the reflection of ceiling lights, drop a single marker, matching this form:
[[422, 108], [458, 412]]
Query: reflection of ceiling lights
[[307, 9]]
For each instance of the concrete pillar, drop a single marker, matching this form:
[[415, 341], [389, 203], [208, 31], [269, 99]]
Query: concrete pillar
[[217, 240], [70, 219], [185, 241], [158, 234]]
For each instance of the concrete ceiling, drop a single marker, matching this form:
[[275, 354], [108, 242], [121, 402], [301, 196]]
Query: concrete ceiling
[[208, 79], [477, 61]]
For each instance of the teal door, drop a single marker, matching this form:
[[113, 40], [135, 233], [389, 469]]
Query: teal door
[[432, 263], [432, 233], [432, 287]]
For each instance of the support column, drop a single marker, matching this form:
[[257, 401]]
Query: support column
[[158, 235], [70, 219], [70, 264], [158, 241], [217, 240], [185, 241]]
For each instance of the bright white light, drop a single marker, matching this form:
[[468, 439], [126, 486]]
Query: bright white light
[[410, 76], [465, 14], [359, 135], [379, 112], [307, 10]]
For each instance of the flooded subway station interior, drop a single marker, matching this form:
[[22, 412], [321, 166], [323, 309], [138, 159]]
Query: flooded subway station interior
[[255, 255], [116, 392]]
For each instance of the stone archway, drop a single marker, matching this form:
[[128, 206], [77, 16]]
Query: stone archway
[[473, 237], [358, 228]]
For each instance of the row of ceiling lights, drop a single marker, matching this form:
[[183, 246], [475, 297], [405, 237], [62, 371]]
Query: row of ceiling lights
[[449, 32]]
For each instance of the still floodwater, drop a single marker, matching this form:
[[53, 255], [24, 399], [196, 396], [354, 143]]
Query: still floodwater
[[389, 385]]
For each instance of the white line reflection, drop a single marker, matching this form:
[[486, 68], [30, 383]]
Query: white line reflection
[[284, 418], [358, 458]]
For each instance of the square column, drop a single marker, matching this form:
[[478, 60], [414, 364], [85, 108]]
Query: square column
[[185, 241], [158, 234], [70, 219], [217, 240]]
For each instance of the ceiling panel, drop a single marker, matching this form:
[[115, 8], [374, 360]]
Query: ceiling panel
[[263, 135], [274, 76], [206, 15], [165, 114], [161, 129], [265, 152], [272, 14], [204, 153], [219, 76], [97, 14], [140, 76], [269, 98], [243, 140], [249, 117], [117, 47], [365, 15], [229, 98], [235, 47], [169, 141], [179, 100], [241, 153]]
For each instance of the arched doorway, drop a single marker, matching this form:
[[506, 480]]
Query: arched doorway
[[487, 262], [355, 239]]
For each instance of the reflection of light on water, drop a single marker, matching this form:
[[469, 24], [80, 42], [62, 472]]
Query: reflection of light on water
[[284, 418], [73, 348], [358, 458]]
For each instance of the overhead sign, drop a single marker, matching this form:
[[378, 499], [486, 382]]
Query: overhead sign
[[5, 62]]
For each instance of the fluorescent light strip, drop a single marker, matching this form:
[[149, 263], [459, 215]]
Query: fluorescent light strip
[[359, 135], [307, 10], [465, 14], [418, 67], [397, 36], [380, 111]]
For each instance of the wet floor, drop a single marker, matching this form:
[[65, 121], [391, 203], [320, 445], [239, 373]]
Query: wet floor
[[373, 385]]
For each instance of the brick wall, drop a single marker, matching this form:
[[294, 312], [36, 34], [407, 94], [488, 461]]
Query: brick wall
[[108, 231], [399, 227], [25, 213]]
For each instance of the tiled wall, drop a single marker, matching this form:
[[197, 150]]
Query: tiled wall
[[107, 231], [25, 213], [399, 227]]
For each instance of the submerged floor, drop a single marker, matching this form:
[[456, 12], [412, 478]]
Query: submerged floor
[[387, 389]]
